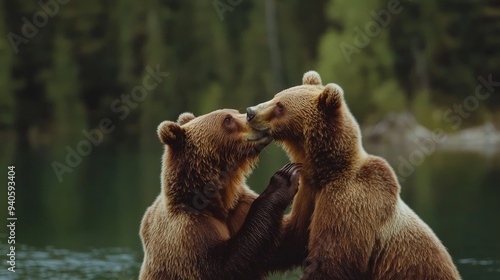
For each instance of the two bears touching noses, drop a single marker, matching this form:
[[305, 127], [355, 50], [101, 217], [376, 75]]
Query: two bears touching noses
[[347, 219]]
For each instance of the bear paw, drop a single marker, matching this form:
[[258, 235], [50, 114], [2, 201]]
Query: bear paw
[[285, 182]]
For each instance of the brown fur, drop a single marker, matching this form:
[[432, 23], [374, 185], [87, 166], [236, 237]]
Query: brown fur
[[206, 223], [359, 226]]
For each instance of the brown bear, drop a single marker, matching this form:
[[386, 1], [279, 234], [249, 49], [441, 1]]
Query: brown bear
[[206, 223], [359, 228]]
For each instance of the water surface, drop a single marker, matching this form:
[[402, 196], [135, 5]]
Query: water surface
[[87, 226]]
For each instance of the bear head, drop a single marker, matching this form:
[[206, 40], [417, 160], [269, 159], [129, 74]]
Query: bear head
[[312, 122], [210, 153]]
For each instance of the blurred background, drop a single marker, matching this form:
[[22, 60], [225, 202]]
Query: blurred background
[[84, 85]]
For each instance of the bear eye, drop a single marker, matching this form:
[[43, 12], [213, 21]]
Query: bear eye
[[279, 106], [228, 120]]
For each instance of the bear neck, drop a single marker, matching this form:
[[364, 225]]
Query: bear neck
[[208, 188], [331, 150]]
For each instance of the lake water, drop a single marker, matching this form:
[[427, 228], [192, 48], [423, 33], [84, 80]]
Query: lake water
[[86, 227]]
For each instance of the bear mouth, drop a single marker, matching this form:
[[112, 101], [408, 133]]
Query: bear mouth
[[260, 135], [258, 127]]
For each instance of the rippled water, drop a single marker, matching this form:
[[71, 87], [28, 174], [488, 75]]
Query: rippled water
[[124, 264], [55, 263], [487, 268]]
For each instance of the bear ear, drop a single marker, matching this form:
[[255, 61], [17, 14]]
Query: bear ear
[[331, 98], [185, 118], [170, 133], [311, 78]]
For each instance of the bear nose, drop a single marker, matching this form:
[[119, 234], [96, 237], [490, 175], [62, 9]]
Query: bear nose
[[250, 114]]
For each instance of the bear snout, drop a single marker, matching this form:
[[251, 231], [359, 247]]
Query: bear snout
[[250, 114]]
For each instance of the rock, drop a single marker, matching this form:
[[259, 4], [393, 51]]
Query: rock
[[484, 138], [403, 130], [397, 128]]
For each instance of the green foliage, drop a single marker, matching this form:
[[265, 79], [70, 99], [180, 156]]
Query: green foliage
[[212, 98], [7, 101], [63, 92], [7, 84], [356, 54], [423, 108], [90, 53], [446, 54], [389, 97]]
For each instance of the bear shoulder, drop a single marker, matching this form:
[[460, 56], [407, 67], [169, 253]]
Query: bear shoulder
[[379, 181], [376, 170]]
